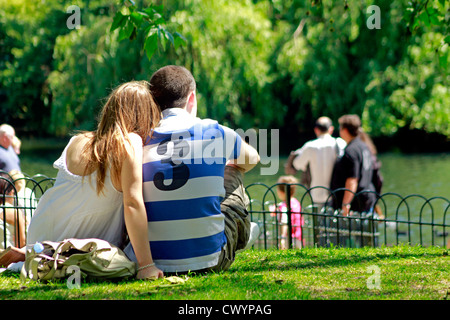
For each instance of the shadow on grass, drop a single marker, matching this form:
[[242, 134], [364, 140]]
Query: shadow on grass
[[297, 258]]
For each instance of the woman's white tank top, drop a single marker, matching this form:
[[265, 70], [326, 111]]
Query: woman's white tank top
[[72, 209]]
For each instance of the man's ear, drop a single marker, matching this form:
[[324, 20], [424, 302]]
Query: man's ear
[[331, 130], [191, 105]]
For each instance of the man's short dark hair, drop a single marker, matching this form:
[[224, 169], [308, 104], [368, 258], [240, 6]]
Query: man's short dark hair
[[171, 85], [352, 123]]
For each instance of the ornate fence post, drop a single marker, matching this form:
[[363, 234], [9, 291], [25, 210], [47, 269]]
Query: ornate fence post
[[289, 215]]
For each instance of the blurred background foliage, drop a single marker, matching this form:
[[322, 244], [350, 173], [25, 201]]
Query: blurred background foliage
[[259, 64]]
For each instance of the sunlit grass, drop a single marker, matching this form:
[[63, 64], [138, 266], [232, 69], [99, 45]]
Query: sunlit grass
[[405, 273]]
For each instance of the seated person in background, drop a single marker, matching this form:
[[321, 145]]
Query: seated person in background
[[281, 209], [11, 218], [16, 144], [25, 196], [9, 160]]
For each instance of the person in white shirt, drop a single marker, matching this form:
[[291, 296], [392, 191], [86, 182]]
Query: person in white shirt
[[320, 155]]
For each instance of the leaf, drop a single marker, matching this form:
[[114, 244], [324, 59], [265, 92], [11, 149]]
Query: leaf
[[158, 9], [161, 37], [154, 10], [447, 39], [175, 280], [159, 19], [179, 40], [169, 36], [443, 61], [144, 14], [179, 35], [424, 18], [434, 16], [151, 44], [150, 12], [137, 18], [118, 21], [126, 31]]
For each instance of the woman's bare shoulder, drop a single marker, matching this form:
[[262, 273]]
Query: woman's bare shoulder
[[74, 159]]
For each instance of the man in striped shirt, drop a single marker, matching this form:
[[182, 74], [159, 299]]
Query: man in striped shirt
[[193, 190]]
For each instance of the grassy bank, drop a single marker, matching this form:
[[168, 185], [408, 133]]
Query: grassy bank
[[394, 273], [37, 155]]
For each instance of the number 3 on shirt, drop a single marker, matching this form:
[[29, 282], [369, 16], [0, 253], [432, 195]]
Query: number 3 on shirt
[[180, 171]]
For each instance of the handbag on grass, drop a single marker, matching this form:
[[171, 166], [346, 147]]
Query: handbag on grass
[[95, 258]]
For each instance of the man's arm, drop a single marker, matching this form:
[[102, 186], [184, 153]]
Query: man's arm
[[351, 184], [289, 166], [248, 158]]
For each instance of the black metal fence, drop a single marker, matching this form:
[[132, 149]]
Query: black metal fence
[[392, 220], [19, 195]]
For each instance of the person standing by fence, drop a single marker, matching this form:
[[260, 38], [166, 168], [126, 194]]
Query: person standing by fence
[[281, 212], [318, 156], [353, 171]]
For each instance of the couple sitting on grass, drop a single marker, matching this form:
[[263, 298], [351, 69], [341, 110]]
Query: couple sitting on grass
[[154, 180]]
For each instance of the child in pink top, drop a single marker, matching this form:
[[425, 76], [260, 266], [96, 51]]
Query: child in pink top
[[281, 209]]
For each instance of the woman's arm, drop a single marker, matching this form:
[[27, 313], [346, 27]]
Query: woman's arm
[[134, 209], [11, 215]]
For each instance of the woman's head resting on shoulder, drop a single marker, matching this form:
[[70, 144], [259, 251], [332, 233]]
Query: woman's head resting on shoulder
[[129, 108]]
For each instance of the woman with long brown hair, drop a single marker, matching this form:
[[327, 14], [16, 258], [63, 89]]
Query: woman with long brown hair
[[98, 189]]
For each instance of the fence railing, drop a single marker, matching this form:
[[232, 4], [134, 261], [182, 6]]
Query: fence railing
[[395, 219], [18, 200], [392, 220]]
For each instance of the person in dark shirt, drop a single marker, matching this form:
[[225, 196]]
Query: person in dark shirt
[[353, 171]]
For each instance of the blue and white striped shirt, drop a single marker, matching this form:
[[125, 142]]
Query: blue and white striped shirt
[[183, 169]]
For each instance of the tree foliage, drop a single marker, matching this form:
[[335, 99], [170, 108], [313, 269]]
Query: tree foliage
[[261, 63]]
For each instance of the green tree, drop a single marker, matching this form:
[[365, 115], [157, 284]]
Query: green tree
[[229, 47], [28, 31], [334, 64], [261, 63]]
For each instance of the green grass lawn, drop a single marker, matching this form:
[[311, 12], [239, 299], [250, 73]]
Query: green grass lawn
[[390, 273]]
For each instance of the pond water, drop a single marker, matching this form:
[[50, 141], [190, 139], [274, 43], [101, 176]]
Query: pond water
[[424, 174]]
